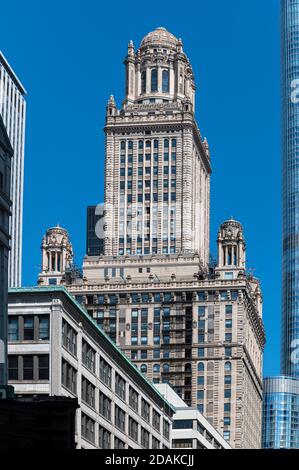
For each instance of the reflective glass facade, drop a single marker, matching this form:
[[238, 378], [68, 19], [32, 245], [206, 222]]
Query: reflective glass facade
[[281, 413], [290, 97]]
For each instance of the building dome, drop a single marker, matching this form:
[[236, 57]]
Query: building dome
[[57, 230], [160, 37], [232, 223]]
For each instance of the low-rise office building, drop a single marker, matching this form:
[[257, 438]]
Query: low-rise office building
[[190, 429], [56, 348]]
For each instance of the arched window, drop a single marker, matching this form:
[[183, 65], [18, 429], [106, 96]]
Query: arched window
[[228, 367], [165, 368], [143, 82], [166, 143], [143, 368], [165, 81], [188, 368], [154, 80], [156, 368], [200, 367]]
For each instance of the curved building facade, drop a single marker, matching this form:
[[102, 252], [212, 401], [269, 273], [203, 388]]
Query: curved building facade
[[281, 413]]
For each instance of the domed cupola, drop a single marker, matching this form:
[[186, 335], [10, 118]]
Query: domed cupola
[[231, 246], [159, 72]]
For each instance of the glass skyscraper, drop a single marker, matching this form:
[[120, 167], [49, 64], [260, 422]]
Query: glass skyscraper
[[281, 394]]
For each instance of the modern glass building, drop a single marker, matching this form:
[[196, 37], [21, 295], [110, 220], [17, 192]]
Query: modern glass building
[[281, 394], [281, 413], [290, 107]]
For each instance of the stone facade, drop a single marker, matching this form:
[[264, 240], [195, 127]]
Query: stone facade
[[55, 349], [181, 319], [6, 154]]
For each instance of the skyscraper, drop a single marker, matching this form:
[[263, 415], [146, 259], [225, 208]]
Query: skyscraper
[[181, 319], [281, 394], [13, 112], [6, 154]]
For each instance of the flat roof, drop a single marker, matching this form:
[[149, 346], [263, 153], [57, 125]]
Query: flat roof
[[12, 74], [62, 289]]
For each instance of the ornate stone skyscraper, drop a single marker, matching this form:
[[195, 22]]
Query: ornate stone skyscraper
[[182, 320], [157, 164]]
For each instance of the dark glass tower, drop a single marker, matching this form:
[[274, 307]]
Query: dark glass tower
[[290, 135]]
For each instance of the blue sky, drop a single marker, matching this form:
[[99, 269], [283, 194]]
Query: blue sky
[[69, 54]]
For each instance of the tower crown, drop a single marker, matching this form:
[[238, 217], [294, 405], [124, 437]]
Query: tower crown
[[231, 246], [57, 255], [159, 72]]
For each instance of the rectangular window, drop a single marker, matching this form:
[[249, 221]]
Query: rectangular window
[[104, 438], [43, 367], [69, 377], [13, 329], [156, 420], [145, 410], [27, 367], [133, 399], [13, 368], [228, 309], [88, 392], [44, 328], [166, 429], [120, 418], [120, 387], [145, 438], [105, 406], [133, 429], [88, 356], [28, 328], [118, 444], [105, 372], [87, 428], [69, 338]]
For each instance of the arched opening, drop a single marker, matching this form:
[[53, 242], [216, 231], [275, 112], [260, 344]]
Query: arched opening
[[143, 81], [165, 81], [154, 80]]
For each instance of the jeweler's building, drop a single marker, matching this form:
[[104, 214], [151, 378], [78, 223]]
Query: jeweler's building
[[182, 321], [281, 394]]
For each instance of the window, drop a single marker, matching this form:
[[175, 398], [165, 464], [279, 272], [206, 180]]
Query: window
[[120, 418], [28, 328], [145, 410], [87, 428], [69, 376], [228, 309], [155, 443], [143, 82], [166, 429], [118, 444], [200, 394], [105, 406], [201, 311], [145, 438], [201, 352], [27, 367], [156, 367], [183, 424], [88, 392], [228, 367], [154, 80], [105, 372], [227, 407], [227, 393], [228, 324], [88, 356], [227, 379], [43, 367], [13, 329], [200, 367], [44, 328], [133, 399], [156, 420], [182, 444], [104, 438], [200, 380], [13, 368], [120, 387], [133, 429], [226, 421], [143, 368], [165, 81], [226, 435], [69, 338]]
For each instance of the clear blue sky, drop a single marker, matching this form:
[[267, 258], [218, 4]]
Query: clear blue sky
[[69, 56]]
